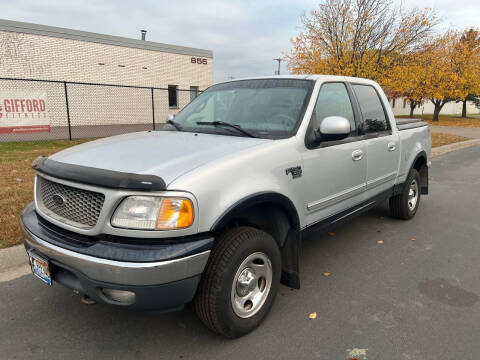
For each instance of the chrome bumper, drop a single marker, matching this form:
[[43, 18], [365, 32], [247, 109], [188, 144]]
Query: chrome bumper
[[119, 272]]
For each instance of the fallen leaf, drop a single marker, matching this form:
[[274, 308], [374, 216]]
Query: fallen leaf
[[326, 274], [413, 239], [312, 316], [380, 242], [331, 233]]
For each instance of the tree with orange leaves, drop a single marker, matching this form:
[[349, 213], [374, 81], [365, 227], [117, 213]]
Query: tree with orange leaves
[[467, 65], [446, 69]]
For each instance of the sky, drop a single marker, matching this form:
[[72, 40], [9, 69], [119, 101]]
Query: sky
[[245, 35]]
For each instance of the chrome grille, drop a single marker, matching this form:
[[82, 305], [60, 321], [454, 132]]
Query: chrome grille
[[68, 204]]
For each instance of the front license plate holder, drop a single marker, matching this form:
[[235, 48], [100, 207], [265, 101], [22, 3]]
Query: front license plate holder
[[40, 267]]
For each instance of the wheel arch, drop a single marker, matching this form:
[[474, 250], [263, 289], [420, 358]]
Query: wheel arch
[[420, 164], [275, 214], [259, 199]]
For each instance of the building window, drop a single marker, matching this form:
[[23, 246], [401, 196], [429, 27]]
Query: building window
[[393, 103], [404, 103], [173, 96], [193, 92]]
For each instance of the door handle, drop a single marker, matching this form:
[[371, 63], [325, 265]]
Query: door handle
[[357, 155], [391, 146]]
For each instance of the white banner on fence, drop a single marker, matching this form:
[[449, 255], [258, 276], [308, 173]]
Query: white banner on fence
[[23, 111]]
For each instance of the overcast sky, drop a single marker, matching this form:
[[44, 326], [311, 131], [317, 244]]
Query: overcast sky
[[244, 35]]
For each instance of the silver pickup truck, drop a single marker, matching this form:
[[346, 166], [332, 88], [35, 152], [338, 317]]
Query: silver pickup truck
[[212, 208]]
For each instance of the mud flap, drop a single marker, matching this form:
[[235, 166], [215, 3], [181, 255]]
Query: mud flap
[[424, 180], [290, 259]]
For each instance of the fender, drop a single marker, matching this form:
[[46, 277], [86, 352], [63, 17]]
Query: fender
[[289, 243], [256, 199], [423, 177]]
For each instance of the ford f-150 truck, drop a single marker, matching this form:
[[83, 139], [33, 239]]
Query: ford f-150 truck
[[211, 209]]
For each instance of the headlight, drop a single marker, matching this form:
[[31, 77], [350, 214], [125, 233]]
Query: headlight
[[153, 213]]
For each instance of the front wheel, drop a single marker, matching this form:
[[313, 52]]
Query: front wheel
[[405, 205], [240, 282]]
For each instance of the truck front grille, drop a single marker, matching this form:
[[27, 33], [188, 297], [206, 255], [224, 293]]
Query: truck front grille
[[67, 204]]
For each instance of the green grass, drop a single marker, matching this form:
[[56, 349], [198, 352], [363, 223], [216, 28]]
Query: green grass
[[471, 116], [449, 120], [38, 145], [439, 139], [16, 181]]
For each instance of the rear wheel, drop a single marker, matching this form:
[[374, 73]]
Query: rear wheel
[[405, 205], [240, 282]]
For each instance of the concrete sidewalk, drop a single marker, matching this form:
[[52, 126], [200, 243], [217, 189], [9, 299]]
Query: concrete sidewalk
[[13, 263], [472, 133]]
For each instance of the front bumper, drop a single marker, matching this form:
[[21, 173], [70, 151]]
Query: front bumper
[[162, 275]]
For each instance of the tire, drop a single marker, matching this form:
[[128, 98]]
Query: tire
[[401, 205], [219, 296]]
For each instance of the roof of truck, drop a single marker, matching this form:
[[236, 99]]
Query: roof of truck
[[306, 77]]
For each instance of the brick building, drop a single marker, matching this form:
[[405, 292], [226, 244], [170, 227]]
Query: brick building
[[152, 79]]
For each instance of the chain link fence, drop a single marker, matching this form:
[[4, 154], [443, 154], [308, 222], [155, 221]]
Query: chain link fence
[[84, 110]]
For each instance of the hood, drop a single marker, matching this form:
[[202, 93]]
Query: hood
[[168, 154]]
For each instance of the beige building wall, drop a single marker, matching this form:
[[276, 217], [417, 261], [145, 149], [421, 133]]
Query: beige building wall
[[450, 108], [29, 51], [44, 57]]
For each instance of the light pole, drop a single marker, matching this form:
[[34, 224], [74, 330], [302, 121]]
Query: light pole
[[279, 61]]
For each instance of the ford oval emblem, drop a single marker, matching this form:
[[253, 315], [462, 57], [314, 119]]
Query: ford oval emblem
[[58, 199]]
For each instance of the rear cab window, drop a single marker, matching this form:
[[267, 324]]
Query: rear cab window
[[373, 112]]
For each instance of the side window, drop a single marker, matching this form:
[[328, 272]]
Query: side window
[[172, 96], [333, 100], [372, 109]]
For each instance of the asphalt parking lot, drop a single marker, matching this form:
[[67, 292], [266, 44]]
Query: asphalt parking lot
[[403, 299]]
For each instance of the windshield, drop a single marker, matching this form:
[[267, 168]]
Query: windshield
[[268, 108]]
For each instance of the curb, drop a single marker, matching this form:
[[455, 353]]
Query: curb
[[13, 263], [445, 149]]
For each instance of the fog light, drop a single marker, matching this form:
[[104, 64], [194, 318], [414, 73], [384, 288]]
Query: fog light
[[121, 296]]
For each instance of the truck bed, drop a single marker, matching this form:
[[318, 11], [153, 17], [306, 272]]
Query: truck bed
[[405, 124]]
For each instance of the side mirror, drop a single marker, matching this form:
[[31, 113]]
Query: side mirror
[[170, 117], [334, 128]]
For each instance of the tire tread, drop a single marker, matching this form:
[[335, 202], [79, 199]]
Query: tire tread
[[219, 263], [398, 203]]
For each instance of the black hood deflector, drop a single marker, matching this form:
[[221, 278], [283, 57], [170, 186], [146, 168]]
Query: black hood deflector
[[98, 177]]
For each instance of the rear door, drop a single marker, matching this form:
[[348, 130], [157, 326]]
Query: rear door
[[383, 145], [335, 170]]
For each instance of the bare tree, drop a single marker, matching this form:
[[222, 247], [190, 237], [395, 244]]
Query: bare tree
[[353, 37]]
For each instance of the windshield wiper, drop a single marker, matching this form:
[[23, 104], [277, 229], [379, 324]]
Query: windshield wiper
[[223, 123], [177, 126]]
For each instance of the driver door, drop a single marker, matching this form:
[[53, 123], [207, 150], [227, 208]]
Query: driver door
[[336, 170]]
